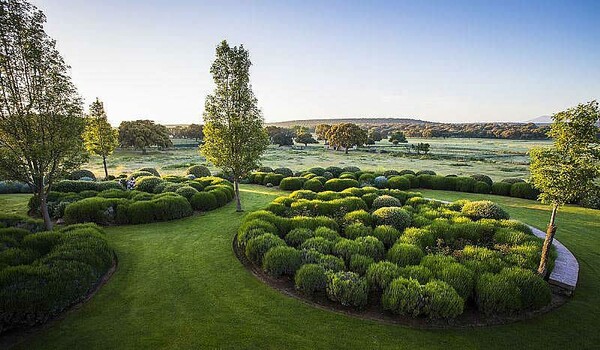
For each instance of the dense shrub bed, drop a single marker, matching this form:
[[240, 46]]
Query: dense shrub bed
[[151, 199], [336, 179], [420, 258], [44, 273]]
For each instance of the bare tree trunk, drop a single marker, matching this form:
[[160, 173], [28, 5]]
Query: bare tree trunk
[[105, 168], [346, 150], [550, 232], [44, 209], [237, 195]]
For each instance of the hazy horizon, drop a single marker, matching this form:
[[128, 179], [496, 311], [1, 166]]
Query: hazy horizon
[[463, 61]]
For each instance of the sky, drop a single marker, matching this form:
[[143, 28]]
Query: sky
[[445, 61]]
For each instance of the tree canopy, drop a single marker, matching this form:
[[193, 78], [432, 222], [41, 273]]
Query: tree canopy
[[321, 131], [346, 135], [280, 136], [305, 138], [234, 137], [41, 114], [99, 136], [398, 137], [141, 134]]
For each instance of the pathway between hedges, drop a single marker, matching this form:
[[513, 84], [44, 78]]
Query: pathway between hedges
[[179, 285]]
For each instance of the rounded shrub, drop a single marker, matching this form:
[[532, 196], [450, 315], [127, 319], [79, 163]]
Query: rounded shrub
[[482, 187], [501, 188], [358, 216], [421, 237], [497, 294], [286, 172], [369, 198], [381, 274], [78, 174], [366, 178], [139, 173], [345, 248], [319, 244], [327, 233], [484, 210], [360, 263], [442, 300], [523, 190], [311, 278], [458, 276], [338, 185], [370, 246], [257, 247], [417, 272], [317, 171], [292, 183], [297, 236], [332, 263], [171, 187], [380, 182], [404, 297], [273, 179], [220, 196], [203, 201], [535, 292], [483, 178], [282, 260], [512, 180], [356, 230], [425, 172], [385, 201], [186, 191], [313, 185], [347, 288], [303, 194], [351, 169], [387, 234], [198, 171], [399, 183], [403, 254], [393, 216]]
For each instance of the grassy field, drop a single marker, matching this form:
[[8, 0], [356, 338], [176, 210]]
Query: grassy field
[[496, 158], [179, 285]]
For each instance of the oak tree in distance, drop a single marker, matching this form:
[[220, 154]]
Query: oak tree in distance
[[99, 136], [346, 135], [141, 134], [41, 114], [234, 137], [565, 171]]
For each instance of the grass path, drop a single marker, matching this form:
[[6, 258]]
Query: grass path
[[179, 286]]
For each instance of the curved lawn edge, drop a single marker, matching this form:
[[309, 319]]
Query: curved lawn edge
[[18, 336], [374, 312]]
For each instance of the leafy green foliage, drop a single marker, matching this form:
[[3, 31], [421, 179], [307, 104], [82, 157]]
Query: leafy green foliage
[[141, 134]]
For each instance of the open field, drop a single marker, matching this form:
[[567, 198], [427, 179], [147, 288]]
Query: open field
[[166, 294], [495, 158]]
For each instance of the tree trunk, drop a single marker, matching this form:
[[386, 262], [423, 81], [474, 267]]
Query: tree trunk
[[237, 195], [105, 168], [44, 209], [346, 150], [143, 150], [550, 232]]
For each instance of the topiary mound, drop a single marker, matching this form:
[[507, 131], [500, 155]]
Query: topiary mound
[[43, 274], [198, 171], [424, 259]]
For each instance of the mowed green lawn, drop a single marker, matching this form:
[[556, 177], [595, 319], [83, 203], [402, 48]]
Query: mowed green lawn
[[179, 286]]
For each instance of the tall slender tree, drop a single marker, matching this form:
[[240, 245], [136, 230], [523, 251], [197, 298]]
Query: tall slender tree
[[234, 136], [566, 171], [41, 115], [99, 136]]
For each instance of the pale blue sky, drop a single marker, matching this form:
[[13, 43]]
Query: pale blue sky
[[435, 60]]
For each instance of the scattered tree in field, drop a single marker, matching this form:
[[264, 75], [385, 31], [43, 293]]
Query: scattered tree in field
[[299, 130], [190, 132], [305, 138], [321, 131], [99, 136], [373, 136], [566, 171], [346, 135], [141, 134], [420, 147], [280, 136], [397, 137], [234, 137], [41, 115]]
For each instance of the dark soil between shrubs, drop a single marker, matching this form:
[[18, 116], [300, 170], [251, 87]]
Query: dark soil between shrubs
[[17, 336], [374, 311]]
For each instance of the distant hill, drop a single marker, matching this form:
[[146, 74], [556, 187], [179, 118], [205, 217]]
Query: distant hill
[[544, 119], [362, 121]]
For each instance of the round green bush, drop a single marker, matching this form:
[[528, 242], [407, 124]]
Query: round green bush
[[347, 288], [257, 247], [393, 216], [345, 248], [332, 263], [282, 260], [369, 198], [334, 170], [535, 292], [78, 174], [360, 263], [265, 169], [286, 172], [303, 194], [497, 294], [482, 187], [297, 236], [484, 178], [366, 178], [484, 210], [186, 191], [317, 171], [403, 254], [350, 169], [512, 180], [338, 185], [399, 183], [425, 172], [381, 274], [523, 190], [139, 173], [370, 246], [380, 182], [292, 183], [220, 196], [465, 184], [319, 244], [313, 185], [387, 234], [358, 216], [198, 171], [501, 188], [327, 233], [404, 297], [171, 187], [203, 201], [311, 278], [442, 300], [356, 230], [458, 276], [385, 201], [273, 179], [417, 272]]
